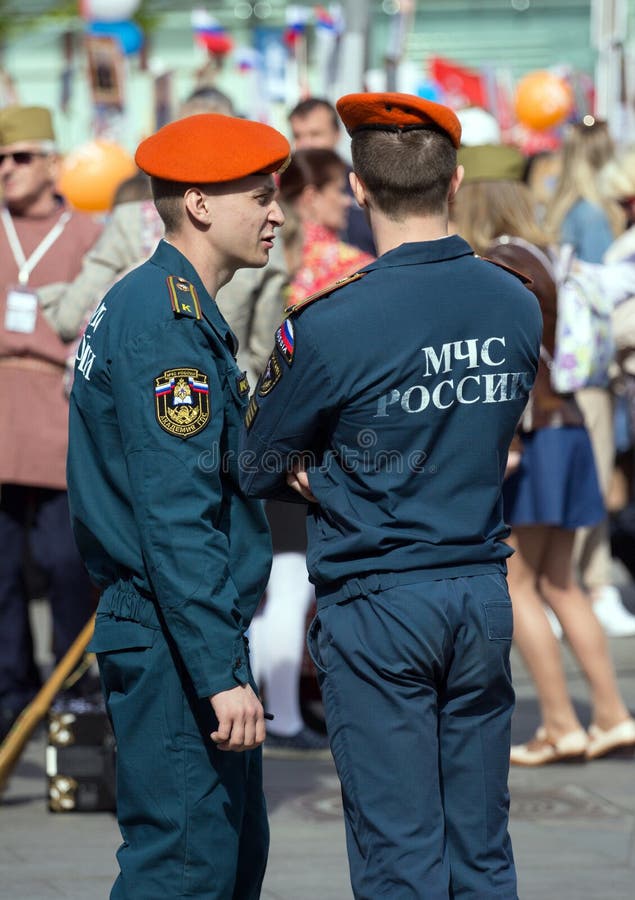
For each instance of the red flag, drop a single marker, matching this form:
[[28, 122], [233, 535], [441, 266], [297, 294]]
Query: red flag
[[462, 87]]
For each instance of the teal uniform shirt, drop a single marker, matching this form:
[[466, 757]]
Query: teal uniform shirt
[[157, 509], [406, 385]]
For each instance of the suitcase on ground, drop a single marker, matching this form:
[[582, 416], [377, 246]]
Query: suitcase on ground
[[80, 757]]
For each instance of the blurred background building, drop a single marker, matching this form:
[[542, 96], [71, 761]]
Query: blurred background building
[[121, 67], [114, 71]]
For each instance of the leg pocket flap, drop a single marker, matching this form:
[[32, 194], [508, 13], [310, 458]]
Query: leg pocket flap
[[120, 634], [500, 621]]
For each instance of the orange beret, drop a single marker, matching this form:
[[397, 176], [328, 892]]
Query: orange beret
[[397, 112], [211, 148]]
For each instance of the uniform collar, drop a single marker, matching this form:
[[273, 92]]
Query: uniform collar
[[172, 261], [418, 252]]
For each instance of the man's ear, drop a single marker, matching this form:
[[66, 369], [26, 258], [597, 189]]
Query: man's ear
[[359, 188], [198, 205], [455, 182]]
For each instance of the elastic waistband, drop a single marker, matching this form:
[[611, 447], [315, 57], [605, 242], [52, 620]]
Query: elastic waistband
[[374, 583], [123, 600]]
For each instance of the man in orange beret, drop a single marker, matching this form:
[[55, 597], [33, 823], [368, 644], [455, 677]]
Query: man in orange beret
[[400, 389], [181, 555]]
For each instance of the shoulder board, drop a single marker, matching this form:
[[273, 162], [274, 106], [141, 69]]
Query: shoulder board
[[183, 297], [521, 277], [291, 310]]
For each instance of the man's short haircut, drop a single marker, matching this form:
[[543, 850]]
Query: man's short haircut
[[306, 107], [168, 199], [406, 172], [207, 99]]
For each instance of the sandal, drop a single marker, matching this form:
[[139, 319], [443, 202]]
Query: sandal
[[540, 751], [621, 737]]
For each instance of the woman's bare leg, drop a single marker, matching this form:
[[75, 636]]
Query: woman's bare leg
[[582, 630], [533, 634]]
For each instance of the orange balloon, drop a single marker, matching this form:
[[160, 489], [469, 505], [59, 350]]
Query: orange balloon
[[91, 174], [543, 100]]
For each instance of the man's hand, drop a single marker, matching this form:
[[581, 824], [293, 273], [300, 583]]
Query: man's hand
[[299, 481], [241, 719]]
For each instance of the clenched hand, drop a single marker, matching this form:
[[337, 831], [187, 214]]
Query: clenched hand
[[241, 719]]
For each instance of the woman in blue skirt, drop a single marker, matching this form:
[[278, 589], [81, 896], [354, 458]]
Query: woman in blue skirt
[[551, 489]]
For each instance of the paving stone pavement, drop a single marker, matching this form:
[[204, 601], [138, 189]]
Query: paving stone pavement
[[573, 826]]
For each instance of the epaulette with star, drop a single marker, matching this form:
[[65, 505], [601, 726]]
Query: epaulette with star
[[183, 297], [325, 292], [520, 275]]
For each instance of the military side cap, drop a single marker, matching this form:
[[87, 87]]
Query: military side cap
[[491, 162], [397, 112], [25, 123], [210, 148]]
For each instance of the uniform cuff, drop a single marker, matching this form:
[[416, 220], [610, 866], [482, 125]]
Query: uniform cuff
[[234, 672]]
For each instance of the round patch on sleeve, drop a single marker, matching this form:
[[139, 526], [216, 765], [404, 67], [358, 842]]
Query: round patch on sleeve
[[285, 341], [271, 376], [181, 399]]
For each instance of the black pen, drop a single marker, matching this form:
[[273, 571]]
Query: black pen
[[269, 716]]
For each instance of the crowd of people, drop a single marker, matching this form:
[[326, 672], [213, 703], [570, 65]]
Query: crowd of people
[[179, 316], [552, 488]]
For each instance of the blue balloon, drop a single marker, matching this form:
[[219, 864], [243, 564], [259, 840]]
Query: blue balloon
[[428, 90], [129, 35]]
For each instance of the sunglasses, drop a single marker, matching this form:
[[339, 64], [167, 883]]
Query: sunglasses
[[21, 157]]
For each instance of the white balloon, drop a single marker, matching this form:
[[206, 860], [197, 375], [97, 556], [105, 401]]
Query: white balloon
[[110, 10], [478, 127]]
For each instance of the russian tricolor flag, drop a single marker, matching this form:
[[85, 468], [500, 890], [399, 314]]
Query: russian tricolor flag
[[164, 388]]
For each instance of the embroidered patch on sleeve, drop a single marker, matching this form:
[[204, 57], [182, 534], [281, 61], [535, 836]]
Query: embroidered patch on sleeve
[[252, 412], [285, 341], [271, 375], [183, 297], [181, 399]]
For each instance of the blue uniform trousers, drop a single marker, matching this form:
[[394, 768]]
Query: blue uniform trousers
[[418, 699], [193, 818], [36, 522]]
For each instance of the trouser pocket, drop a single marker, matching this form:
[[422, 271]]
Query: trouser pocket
[[316, 644]]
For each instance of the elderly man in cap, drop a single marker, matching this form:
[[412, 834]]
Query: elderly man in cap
[[41, 241], [389, 405], [181, 555]]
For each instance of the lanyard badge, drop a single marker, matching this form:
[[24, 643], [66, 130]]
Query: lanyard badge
[[22, 304], [21, 310]]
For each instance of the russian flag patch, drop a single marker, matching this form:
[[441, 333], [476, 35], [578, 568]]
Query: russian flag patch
[[285, 341]]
